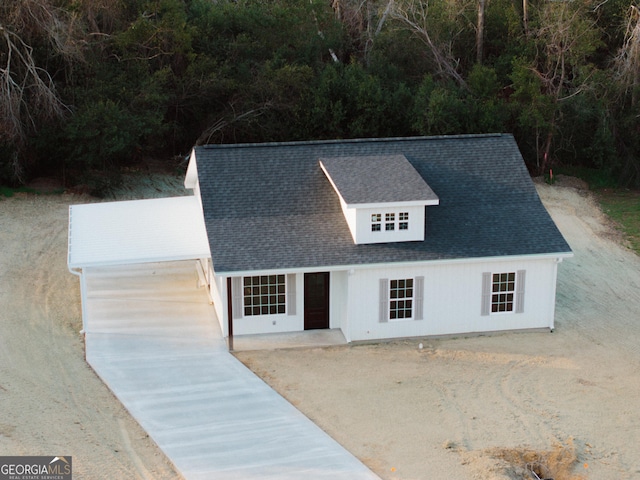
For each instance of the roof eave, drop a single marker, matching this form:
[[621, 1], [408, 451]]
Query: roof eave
[[409, 203], [556, 256]]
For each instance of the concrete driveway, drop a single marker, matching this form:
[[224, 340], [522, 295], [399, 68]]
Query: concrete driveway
[[152, 338]]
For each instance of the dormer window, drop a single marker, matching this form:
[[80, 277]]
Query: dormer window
[[377, 194], [403, 217], [389, 221], [376, 226]]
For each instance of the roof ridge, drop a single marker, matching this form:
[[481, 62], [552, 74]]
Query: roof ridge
[[295, 143]]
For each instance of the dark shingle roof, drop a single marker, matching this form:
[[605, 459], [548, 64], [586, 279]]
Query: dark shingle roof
[[270, 206], [377, 179]]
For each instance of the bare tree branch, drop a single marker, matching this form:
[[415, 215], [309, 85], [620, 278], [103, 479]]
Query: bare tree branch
[[25, 89], [627, 62], [222, 123], [567, 36], [383, 18], [415, 14], [28, 94]]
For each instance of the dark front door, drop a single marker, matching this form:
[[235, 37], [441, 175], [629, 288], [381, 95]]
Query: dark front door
[[316, 300]]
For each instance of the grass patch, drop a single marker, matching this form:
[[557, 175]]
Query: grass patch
[[623, 206], [8, 192], [597, 179], [620, 204]]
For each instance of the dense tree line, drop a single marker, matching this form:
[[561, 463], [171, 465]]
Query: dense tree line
[[90, 86]]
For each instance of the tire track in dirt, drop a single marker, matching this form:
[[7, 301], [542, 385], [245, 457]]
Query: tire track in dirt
[[54, 403]]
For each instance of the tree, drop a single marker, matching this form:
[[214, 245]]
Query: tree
[[417, 15], [480, 31], [627, 61], [32, 34], [565, 37]]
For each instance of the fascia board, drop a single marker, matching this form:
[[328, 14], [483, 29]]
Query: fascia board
[[340, 268]]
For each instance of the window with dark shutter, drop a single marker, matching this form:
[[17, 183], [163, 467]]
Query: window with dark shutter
[[503, 292], [384, 300]]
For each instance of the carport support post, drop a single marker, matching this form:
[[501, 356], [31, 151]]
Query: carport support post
[[230, 314], [83, 301]]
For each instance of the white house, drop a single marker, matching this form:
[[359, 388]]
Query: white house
[[380, 238]]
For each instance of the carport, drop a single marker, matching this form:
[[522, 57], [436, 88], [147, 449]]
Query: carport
[[134, 232]]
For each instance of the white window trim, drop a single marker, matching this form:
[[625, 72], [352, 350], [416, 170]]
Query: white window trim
[[391, 300], [244, 315], [506, 292], [403, 221], [383, 221], [376, 221], [518, 293], [237, 293], [417, 305]]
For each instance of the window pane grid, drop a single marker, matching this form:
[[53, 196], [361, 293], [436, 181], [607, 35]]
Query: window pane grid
[[389, 219], [264, 295], [401, 299], [376, 219], [503, 286], [390, 223]]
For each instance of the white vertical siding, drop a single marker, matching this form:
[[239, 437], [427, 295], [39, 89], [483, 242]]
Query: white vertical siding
[[452, 300], [414, 233], [338, 294], [350, 215], [286, 322], [551, 297]]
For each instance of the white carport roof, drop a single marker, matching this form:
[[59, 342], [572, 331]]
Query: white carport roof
[[136, 231]]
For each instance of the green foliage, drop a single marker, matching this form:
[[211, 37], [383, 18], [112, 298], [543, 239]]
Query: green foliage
[[110, 130], [446, 110], [597, 179], [9, 192], [7, 157], [347, 102], [160, 36], [483, 82], [447, 113], [157, 76], [624, 208]]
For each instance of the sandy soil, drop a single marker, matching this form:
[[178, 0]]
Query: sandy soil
[[439, 412], [51, 402]]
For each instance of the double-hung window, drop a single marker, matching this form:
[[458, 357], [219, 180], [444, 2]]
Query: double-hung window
[[503, 289], [503, 292], [401, 299]]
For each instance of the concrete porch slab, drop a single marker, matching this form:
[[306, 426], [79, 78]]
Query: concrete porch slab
[[306, 339]]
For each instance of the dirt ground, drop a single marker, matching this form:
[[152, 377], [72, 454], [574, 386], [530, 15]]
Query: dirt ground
[[51, 402], [440, 412]]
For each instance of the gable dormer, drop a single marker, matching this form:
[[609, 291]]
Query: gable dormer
[[383, 197]]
